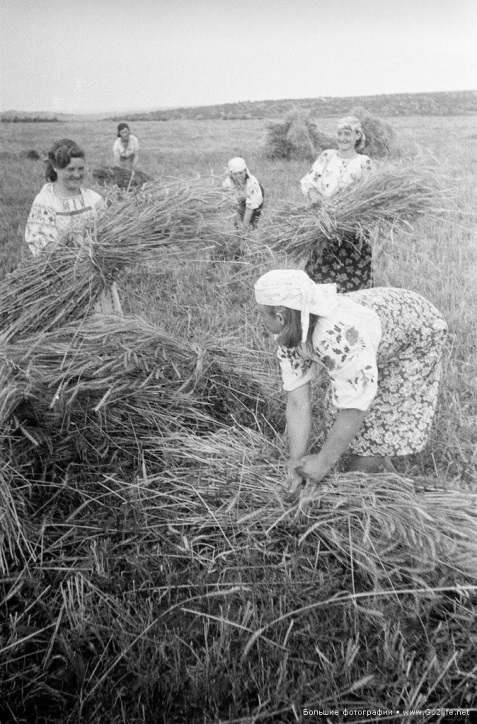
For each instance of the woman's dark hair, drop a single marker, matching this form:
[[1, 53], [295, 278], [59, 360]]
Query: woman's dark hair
[[290, 336], [60, 155], [121, 126]]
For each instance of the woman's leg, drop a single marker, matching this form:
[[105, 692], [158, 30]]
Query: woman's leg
[[370, 464]]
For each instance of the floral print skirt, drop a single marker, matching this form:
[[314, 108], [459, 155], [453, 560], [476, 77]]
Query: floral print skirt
[[409, 369], [348, 264]]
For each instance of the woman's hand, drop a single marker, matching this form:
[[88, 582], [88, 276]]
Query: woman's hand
[[312, 468], [294, 478], [314, 196], [295, 481]]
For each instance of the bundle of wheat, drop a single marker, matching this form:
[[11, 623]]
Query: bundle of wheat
[[121, 177], [379, 527], [119, 386], [66, 281], [391, 197], [296, 136]]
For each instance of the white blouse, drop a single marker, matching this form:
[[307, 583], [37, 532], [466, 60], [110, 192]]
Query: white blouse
[[51, 216], [346, 345], [251, 192], [330, 173], [125, 154]]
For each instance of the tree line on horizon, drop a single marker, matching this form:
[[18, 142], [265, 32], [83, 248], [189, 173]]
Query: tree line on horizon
[[446, 103]]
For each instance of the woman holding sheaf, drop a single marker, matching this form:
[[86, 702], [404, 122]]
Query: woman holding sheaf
[[349, 263]]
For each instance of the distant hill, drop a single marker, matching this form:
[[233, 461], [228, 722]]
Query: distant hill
[[452, 103], [26, 117], [449, 103]]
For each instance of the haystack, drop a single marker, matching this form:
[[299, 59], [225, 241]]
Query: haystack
[[299, 142], [381, 138], [297, 136]]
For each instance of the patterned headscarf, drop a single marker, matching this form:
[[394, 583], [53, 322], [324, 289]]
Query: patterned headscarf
[[236, 165], [354, 124], [294, 289]]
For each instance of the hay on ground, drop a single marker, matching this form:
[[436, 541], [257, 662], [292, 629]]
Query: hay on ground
[[121, 177]]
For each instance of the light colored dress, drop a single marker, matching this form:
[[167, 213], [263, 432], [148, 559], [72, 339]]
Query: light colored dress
[[348, 264], [250, 194], [381, 349], [126, 156], [51, 216], [330, 173]]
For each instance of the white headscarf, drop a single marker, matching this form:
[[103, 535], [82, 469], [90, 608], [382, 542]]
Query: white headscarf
[[236, 165], [294, 289]]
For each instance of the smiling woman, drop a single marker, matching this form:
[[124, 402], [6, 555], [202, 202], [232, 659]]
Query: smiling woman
[[64, 206], [348, 264]]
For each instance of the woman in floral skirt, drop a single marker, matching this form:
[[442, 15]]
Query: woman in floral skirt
[[348, 264], [381, 349]]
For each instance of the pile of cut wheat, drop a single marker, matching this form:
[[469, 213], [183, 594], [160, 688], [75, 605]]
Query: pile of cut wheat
[[121, 177], [113, 388]]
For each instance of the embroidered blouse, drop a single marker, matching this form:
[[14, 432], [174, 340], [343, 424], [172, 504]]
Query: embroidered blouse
[[330, 173], [346, 345], [250, 192], [50, 216], [125, 154]]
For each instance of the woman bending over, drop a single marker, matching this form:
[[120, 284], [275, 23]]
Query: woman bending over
[[381, 350]]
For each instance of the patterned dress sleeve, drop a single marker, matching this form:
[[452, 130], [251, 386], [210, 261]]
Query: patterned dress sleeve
[[366, 165], [254, 196], [313, 177], [349, 357], [296, 369], [41, 228]]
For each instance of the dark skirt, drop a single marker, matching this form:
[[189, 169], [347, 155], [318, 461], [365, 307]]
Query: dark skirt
[[349, 265]]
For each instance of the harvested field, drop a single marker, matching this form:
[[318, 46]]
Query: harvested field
[[152, 566]]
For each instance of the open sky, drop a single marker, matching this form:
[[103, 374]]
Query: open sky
[[88, 56]]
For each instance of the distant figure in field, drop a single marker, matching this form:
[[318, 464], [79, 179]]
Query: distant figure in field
[[64, 206], [247, 191], [125, 148], [348, 264]]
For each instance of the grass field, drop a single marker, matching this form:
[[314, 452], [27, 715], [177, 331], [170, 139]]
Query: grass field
[[157, 598]]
